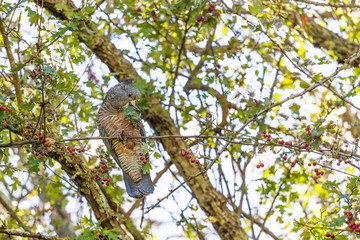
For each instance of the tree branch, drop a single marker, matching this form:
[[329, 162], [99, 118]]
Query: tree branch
[[12, 232], [16, 78]]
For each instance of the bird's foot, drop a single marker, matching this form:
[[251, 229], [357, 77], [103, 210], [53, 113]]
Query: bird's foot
[[121, 136]]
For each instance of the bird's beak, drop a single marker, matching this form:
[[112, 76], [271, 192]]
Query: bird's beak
[[132, 103]]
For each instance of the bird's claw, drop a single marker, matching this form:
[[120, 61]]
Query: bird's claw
[[121, 136]]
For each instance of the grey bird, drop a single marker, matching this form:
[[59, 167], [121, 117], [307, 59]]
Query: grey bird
[[127, 153]]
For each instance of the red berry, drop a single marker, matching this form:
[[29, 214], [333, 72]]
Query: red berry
[[5, 124], [107, 184], [46, 144], [83, 150], [183, 153], [293, 164], [197, 161], [108, 179], [103, 166], [138, 9], [8, 121], [102, 171], [97, 174], [316, 170], [328, 234], [268, 139], [41, 137], [92, 170], [284, 157], [144, 161], [296, 160], [264, 132], [338, 164], [189, 156], [9, 109], [32, 151], [314, 163], [142, 158], [258, 166], [332, 236], [219, 66], [309, 164], [199, 18], [100, 156], [192, 160], [322, 173], [187, 152], [307, 149], [36, 150], [346, 145], [261, 165], [141, 154], [73, 149], [211, 8], [104, 178], [108, 158]]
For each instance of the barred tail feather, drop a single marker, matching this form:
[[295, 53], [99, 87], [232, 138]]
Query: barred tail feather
[[139, 189]]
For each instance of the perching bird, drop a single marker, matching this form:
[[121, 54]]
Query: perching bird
[[112, 122]]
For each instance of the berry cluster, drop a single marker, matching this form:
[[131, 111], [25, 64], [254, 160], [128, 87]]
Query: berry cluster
[[187, 154], [306, 147], [345, 161], [73, 150], [260, 165], [352, 225], [294, 162], [211, 9], [318, 172], [38, 152], [142, 158], [2, 108], [5, 124], [281, 142], [267, 136], [101, 172], [330, 235]]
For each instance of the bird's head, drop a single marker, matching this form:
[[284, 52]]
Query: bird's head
[[122, 94]]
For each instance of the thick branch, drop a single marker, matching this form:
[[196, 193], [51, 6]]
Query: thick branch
[[337, 46], [16, 79], [27, 234]]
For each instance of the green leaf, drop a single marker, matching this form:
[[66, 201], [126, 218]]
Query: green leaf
[[304, 85], [18, 67], [157, 155], [146, 168]]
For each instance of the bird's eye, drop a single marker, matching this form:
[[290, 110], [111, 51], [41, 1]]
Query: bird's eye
[[129, 95]]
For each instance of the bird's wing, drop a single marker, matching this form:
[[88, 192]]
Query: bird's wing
[[126, 153]]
